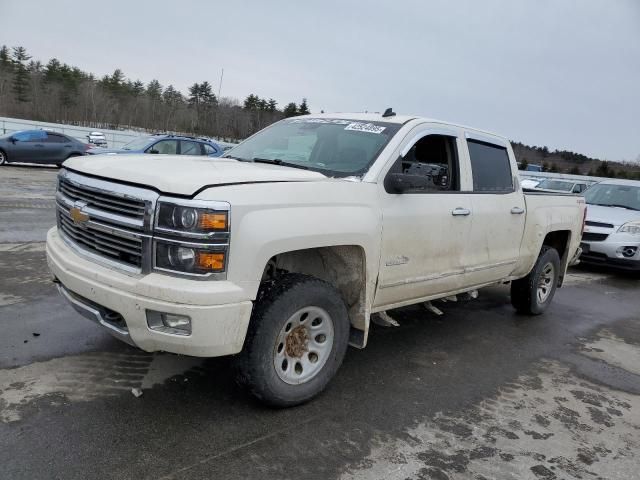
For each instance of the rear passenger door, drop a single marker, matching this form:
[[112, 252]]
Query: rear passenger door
[[56, 148], [498, 210]]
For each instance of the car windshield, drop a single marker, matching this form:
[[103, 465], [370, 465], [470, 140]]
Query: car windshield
[[138, 143], [608, 195], [556, 185], [334, 147]]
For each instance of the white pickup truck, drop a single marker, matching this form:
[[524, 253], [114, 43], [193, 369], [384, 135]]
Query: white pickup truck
[[283, 250]]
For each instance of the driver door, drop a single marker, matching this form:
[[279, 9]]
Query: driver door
[[425, 233]]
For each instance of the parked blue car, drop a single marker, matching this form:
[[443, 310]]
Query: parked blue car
[[167, 145]]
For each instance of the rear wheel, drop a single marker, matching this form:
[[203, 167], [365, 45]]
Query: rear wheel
[[532, 294], [3, 158], [297, 339]]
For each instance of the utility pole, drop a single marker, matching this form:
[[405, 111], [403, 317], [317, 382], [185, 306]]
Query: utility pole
[[220, 86]]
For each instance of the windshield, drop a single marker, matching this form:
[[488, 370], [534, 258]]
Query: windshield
[[138, 143], [623, 196], [556, 185], [334, 147]]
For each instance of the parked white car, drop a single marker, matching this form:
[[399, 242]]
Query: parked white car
[[98, 139], [612, 231], [561, 186], [283, 249]]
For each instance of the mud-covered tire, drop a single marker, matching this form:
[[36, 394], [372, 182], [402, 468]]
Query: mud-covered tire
[[532, 294], [277, 303]]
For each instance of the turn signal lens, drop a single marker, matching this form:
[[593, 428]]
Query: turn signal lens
[[210, 261], [213, 221]]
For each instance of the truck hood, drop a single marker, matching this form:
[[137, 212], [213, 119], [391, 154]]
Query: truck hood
[[185, 175], [614, 215]]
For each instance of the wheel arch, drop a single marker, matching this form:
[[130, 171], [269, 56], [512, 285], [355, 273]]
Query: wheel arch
[[344, 267], [560, 241]]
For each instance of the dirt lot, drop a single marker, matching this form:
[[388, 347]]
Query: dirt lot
[[478, 393]]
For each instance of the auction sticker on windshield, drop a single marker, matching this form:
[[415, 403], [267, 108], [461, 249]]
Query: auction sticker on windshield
[[364, 127]]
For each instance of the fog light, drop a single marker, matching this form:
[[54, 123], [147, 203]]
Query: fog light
[[169, 322], [627, 252]]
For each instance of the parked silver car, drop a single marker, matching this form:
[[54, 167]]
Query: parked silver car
[[612, 228]]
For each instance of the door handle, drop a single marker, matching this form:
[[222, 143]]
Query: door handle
[[459, 211], [517, 210]]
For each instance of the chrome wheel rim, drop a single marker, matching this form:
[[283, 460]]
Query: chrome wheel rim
[[303, 345], [2, 158], [545, 282]]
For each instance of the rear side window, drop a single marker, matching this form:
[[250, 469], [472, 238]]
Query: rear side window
[[190, 148], [55, 138], [208, 149], [490, 167]]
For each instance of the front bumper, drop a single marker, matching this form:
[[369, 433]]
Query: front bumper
[[609, 251], [218, 309]]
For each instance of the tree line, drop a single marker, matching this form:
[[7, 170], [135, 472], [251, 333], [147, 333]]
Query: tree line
[[61, 93], [565, 161]]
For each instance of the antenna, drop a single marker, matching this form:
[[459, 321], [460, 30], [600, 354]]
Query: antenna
[[389, 113]]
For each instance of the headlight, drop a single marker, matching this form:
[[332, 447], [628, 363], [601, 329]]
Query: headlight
[[632, 227], [189, 258], [191, 237], [188, 219]]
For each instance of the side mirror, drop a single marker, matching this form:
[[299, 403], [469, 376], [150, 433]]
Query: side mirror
[[13, 139], [403, 182]]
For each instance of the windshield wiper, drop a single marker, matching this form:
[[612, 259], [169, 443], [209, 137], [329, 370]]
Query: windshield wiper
[[235, 158], [277, 161]]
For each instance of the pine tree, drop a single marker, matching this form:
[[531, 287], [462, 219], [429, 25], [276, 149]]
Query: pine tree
[[290, 110], [21, 79], [271, 105], [303, 109], [251, 102], [5, 58]]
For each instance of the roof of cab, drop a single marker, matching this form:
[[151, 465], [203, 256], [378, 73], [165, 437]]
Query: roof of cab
[[398, 119]]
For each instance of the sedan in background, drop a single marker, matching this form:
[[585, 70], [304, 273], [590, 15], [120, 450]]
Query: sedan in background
[[165, 145], [39, 146], [612, 228], [561, 186]]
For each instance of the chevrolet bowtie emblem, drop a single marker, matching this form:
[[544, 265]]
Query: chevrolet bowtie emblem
[[79, 217]]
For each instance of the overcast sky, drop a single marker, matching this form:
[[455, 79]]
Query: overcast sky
[[561, 73]]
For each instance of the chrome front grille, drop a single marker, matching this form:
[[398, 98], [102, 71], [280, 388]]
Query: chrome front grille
[[102, 200], [107, 221], [111, 243]]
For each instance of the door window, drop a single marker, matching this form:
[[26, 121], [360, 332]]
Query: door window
[[166, 147], [490, 167], [434, 157], [190, 148]]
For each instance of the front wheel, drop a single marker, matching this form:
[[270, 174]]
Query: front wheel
[[297, 339], [532, 294], [3, 158]]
